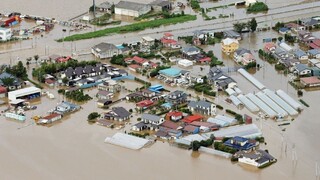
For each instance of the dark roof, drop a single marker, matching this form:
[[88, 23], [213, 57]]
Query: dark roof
[[242, 51], [8, 75], [88, 69], [102, 47], [161, 3], [121, 112], [231, 33], [161, 134], [78, 71], [189, 49], [150, 117], [103, 93], [140, 124], [130, 5]]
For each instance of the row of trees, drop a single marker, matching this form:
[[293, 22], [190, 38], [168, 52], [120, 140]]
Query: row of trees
[[77, 95], [251, 25]]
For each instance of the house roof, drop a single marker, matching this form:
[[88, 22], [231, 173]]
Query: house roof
[[231, 33], [284, 29], [121, 112], [174, 113], [189, 49], [300, 53], [269, 45], [150, 117], [172, 72], [200, 104], [136, 59], [168, 34], [309, 21], [4, 75], [242, 51], [140, 124], [103, 47], [190, 128], [205, 124], [130, 5], [301, 67], [104, 5], [104, 93], [135, 66], [310, 80], [161, 3], [191, 118], [313, 51], [229, 41], [161, 134], [145, 103], [170, 125], [3, 90], [51, 116]]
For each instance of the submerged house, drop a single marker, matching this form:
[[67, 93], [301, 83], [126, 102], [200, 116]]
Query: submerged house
[[202, 107], [241, 143], [118, 114], [256, 158], [219, 79], [105, 50], [134, 9]]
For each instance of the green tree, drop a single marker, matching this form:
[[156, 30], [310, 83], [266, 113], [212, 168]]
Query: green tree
[[195, 145], [239, 26], [280, 38], [253, 24], [65, 80], [7, 81], [93, 115]]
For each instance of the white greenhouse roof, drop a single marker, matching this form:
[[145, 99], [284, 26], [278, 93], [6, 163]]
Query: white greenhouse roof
[[247, 131], [250, 78], [272, 104], [249, 105], [127, 141], [288, 99], [265, 108]]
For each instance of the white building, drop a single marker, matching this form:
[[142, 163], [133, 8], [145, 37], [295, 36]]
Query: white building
[[250, 2], [134, 9], [26, 93], [185, 62], [5, 34]]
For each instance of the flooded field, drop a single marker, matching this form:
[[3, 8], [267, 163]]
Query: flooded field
[[74, 149]]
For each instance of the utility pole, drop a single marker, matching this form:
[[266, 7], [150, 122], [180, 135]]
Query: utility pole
[[94, 8]]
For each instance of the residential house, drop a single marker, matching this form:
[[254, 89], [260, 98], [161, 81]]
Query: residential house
[[174, 116], [309, 22], [135, 67], [219, 79], [66, 107], [104, 7], [176, 97], [63, 59], [284, 30], [147, 41], [152, 119], [161, 5], [103, 102], [5, 34], [168, 133], [315, 44], [3, 91], [168, 41], [105, 50], [314, 62], [105, 123], [243, 56], [104, 94], [301, 55], [295, 27], [170, 125], [290, 63], [312, 81], [192, 118], [269, 47], [256, 158], [280, 53], [140, 126], [241, 143], [16, 84], [148, 94], [302, 70], [199, 37], [145, 104], [191, 129], [229, 45], [135, 60], [118, 114], [285, 46], [81, 73], [189, 51], [205, 126], [162, 135], [50, 118], [232, 34], [134, 9], [314, 53], [110, 85], [306, 37], [203, 107]]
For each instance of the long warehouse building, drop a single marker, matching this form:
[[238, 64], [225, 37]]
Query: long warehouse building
[[289, 99], [281, 102], [265, 108], [248, 104], [252, 79], [272, 104], [25, 93]]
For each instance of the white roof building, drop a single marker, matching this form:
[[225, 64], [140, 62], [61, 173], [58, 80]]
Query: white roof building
[[229, 41], [185, 62], [28, 92]]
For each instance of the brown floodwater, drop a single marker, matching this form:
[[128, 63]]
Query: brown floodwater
[[73, 149]]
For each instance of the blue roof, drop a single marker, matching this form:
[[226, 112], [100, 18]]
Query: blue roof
[[284, 29], [313, 51], [156, 88], [300, 53], [236, 141], [172, 72], [167, 105]]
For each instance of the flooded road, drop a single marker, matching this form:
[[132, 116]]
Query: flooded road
[[73, 149]]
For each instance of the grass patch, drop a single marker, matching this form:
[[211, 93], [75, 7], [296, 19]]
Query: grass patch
[[130, 28]]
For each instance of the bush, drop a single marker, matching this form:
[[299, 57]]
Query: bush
[[300, 93], [257, 7], [92, 116], [304, 103], [219, 107]]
